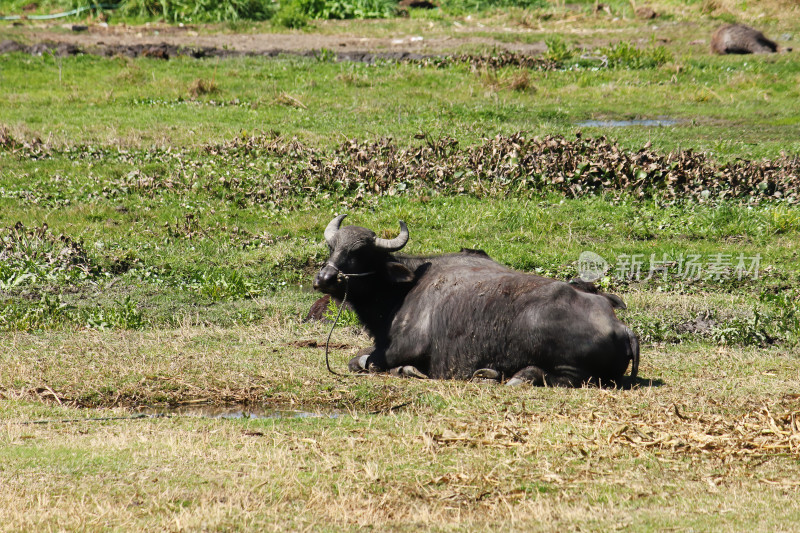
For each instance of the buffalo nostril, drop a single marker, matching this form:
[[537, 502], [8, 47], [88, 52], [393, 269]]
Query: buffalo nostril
[[325, 278]]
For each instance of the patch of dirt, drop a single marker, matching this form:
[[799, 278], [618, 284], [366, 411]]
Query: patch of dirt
[[117, 39], [702, 324], [310, 343], [165, 51]]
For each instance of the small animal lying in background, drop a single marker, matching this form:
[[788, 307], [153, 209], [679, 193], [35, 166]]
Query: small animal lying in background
[[741, 39]]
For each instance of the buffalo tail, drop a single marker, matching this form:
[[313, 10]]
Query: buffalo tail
[[633, 353]]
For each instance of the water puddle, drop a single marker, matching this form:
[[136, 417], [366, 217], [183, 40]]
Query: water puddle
[[233, 411], [625, 123]]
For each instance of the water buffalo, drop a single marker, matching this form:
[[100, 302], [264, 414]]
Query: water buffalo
[[741, 39], [463, 315]]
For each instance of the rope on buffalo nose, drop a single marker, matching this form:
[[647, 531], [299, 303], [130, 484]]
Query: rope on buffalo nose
[[346, 277], [335, 321]]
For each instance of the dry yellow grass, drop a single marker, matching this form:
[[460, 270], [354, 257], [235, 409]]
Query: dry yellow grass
[[200, 87], [545, 470], [712, 443]]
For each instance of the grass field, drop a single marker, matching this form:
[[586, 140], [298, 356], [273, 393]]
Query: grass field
[[161, 221], [149, 102]]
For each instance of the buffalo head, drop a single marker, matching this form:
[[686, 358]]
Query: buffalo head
[[358, 259]]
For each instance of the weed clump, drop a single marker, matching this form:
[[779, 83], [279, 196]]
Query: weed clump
[[775, 319], [297, 13], [560, 55], [199, 10], [352, 9], [286, 99], [200, 87], [33, 148], [291, 16], [36, 255], [558, 51], [223, 285], [347, 317], [52, 312], [519, 81], [7, 141], [625, 55], [123, 314]]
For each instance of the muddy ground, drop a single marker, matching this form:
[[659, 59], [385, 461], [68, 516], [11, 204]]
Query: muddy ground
[[167, 41]]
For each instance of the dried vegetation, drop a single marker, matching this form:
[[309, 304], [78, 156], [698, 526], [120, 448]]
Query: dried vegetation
[[462, 456], [200, 87], [761, 431], [503, 165], [520, 165], [37, 252]]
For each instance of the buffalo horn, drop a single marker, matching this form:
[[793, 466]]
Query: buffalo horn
[[392, 245], [333, 227]]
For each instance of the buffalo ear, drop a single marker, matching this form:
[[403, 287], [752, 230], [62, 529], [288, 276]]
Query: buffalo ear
[[399, 273]]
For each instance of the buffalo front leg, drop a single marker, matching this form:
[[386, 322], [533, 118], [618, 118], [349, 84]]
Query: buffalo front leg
[[368, 360]]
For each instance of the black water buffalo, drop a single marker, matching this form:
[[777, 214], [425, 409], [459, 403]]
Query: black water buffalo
[[463, 315]]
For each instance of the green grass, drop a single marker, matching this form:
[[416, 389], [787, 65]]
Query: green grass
[[146, 102]]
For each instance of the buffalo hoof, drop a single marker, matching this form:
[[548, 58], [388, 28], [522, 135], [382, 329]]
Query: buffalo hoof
[[358, 364], [516, 382], [407, 371], [486, 375]]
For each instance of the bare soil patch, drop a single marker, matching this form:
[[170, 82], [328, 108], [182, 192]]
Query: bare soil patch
[[119, 38]]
